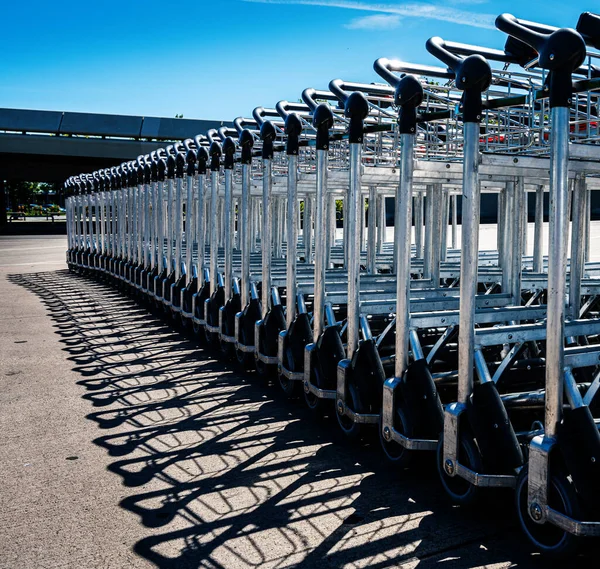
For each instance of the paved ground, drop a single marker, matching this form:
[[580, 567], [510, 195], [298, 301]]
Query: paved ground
[[122, 445]]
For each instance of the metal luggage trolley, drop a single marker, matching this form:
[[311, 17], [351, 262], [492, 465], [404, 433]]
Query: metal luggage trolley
[[556, 492], [481, 447]]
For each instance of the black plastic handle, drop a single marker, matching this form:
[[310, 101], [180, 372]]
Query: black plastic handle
[[560, 50], [268, 133], [246, 142], [293, 130], [203, 157], [284, 108], [228, 153], [356, 108], [588, 26], [323, 119], [312, 97], [215, 151], [241, 123]]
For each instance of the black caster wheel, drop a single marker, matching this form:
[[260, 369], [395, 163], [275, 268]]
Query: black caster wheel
[[547, 538], [458, 489], [352, 430], [393, 451]]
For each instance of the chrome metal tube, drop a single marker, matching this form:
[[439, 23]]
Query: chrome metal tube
[[428, 241], [577, 246], [228, 238], [557, 263], [538, 251], [468, 261], [267, 189], [190, 215], [178, 226], [292, 238], [200, 227], [372, 232], [160, 227], [454, 221], [320, 244], [354, 211], [213, 229], [402, 248], [244, 234], [419, 225]]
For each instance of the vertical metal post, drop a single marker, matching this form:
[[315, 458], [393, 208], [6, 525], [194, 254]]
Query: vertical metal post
[[213, 229], [228, 238], [419, 225], [436, 239], [402, 247], [200, 223], [321, 231], [353, 248], [557, 263], [190, 232], [454, 221], [170, 211], [244, 234], [266, 236], [428, 243], [577, 246], [372, 232], [468, 262], [444, 229], [292, 238], [380, 223], [538, 252]]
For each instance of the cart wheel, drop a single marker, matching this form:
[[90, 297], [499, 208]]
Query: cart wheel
[[547, 538], [320, 407], [244, 359], [351, 429], [267, 371], [458, 489], [393, 451], [291, 387], [228, 350]]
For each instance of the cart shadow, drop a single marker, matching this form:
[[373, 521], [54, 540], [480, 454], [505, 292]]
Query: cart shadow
[[224, 472]]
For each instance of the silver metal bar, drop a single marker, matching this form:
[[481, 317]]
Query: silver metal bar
[[557, 263], [354, 211], [372, 232], [244, 233], [538, 259], [469, 258], [201, 227], [228, 237], [402, 242], [213, 229], [266, 234], [292, 238], [577, 246], [320, 243]]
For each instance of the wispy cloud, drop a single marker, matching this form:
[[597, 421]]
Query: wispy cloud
[[413, 10], [375, 22]]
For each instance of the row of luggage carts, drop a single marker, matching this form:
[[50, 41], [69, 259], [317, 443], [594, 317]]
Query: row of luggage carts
[[488, 358]]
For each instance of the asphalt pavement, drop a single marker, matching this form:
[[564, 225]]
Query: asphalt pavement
[[125, 445]]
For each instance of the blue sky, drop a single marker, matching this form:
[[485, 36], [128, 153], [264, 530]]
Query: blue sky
[[219, 59]]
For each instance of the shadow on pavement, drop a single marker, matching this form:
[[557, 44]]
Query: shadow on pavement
[[225, 473]]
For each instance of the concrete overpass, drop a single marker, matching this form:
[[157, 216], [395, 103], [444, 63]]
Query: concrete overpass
[[50, 146]]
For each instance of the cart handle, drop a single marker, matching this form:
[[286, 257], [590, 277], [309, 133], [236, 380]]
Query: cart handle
[[560, 50], [310, 96]]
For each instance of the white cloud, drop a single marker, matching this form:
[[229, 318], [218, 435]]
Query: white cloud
[[413, 10], [375, 22]]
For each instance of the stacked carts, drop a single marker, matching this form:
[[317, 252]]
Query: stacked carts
[[268, 242]]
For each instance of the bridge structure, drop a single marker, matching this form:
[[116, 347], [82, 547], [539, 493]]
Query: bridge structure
[[50, 146]]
